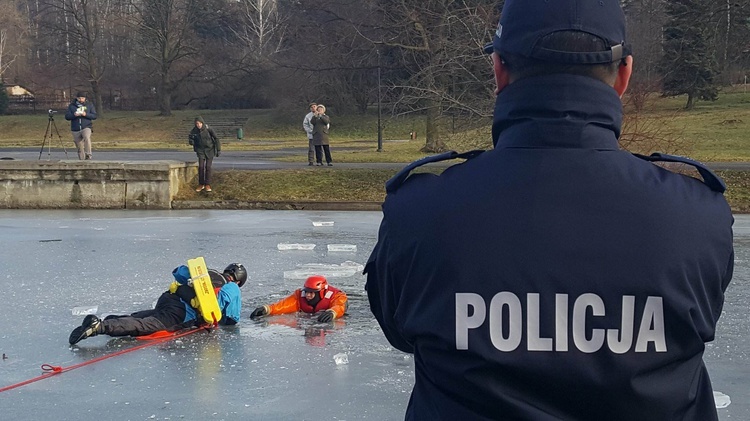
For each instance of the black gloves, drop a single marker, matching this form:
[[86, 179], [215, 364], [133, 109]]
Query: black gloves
[[260, 311], [327, 316], [185, 292]]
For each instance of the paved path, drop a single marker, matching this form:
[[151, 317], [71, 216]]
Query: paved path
[[242, 160]]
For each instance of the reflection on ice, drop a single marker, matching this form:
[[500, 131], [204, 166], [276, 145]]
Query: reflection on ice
[[344, 270]]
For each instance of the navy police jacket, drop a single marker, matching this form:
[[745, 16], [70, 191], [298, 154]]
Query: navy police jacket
[[555, 277]]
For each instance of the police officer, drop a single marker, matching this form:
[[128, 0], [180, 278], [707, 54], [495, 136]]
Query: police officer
[[555, 276]]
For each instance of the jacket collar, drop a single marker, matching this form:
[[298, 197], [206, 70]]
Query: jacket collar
[[563, 111]]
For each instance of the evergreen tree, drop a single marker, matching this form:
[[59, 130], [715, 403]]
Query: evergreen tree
[[689, 65], [4, 100]]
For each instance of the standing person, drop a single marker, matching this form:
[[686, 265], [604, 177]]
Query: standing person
[[315, 296], [206, 145], [307, 125], [81, 114], [321, 124], [555, 276], [175, 309]]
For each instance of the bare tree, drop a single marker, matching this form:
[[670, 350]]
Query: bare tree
[[12, 35], [77, 26], [440, 44], [261, 27], [167, 39]]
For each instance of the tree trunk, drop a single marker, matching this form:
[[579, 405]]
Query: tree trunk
[[433, 144], [165, 96], [690, 101], [97, 96]]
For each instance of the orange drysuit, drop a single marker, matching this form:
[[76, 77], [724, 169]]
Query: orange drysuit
[[333, 299]]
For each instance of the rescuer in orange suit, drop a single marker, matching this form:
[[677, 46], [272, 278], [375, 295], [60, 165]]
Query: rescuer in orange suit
[[315, 296]]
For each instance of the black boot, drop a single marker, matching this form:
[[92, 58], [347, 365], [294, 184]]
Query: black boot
[[91, 326]]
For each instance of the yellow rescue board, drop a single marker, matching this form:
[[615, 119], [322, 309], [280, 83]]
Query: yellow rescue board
[[208, 305]]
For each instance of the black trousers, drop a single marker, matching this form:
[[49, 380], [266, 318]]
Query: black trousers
[[319, 150], [204, 170], [168, 314]]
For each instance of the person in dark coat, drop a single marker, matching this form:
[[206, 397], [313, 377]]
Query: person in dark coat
[[556, 276], [81, 114], [206, 145], [321, 125]]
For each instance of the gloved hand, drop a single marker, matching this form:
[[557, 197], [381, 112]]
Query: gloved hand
[[260, 311], [173, 287], [327, 316], [186, 293]]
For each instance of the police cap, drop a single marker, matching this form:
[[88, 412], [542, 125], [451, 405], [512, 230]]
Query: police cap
[[523, 23]]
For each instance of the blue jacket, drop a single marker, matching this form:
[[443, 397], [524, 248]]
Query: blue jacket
[[230, 303], [555, 276], [78, 123]]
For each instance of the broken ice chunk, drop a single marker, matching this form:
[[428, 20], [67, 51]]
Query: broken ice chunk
[[342, 247], [85, 310], [295, 246], [322, 223], [721, 400], [341, 359]]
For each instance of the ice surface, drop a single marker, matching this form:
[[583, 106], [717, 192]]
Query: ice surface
[[295, 246], [343, 247], [283, 365]]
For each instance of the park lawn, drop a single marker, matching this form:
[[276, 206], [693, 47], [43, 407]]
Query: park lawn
[[358, 185], [712, 131]]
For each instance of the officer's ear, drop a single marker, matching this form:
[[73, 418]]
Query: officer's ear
[[624, 71], [502, 77]]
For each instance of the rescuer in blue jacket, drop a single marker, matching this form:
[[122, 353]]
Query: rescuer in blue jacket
[[555, 277], [175, 309]]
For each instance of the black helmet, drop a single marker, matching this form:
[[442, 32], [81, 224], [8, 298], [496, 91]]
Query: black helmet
[[238, 273], [217, 279]]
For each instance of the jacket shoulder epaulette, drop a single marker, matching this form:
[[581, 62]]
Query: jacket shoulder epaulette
[[709, 178], [397, 180]]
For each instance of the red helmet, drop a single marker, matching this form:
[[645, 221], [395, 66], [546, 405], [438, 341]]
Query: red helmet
[[315, 283]]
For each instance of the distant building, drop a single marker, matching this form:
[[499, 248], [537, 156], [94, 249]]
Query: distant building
[[20, 97]]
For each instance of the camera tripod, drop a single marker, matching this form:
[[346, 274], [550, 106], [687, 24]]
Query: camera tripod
[[48, 136]]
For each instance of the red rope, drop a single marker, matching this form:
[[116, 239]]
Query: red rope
[[51, 370]]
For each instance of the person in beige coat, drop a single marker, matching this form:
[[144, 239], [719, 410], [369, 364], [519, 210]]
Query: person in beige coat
[[321, 124]]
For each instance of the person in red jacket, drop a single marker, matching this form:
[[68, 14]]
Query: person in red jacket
[[315, 296]]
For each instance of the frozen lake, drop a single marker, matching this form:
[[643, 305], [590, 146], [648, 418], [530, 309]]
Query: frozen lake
[[280, 368]]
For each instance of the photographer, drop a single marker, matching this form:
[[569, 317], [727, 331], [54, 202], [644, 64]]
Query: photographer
[[206, 145], [81, 113]]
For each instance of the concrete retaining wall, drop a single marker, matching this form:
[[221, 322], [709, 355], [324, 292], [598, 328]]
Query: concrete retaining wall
[[92, 184]]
